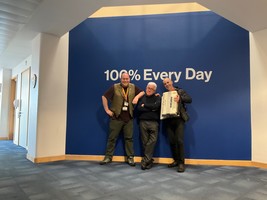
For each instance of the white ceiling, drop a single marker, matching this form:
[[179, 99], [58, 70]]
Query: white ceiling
[[22, 20]]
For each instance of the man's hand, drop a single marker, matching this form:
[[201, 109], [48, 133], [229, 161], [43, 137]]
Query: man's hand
[[177, 98], [110, 113], [135, 100]]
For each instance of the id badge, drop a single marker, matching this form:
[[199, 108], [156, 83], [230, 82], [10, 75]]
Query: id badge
[[126, 104], [124, 108]]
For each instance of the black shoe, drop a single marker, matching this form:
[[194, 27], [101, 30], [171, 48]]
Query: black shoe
[[147, 165], [173, 164], [130, 161], [143, 164], [105, 161], [143, 167], [181, 168]]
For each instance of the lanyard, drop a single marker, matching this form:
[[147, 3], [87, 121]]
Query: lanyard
[[124, 94]]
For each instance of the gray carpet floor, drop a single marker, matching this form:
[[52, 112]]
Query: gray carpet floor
[[83, 180]]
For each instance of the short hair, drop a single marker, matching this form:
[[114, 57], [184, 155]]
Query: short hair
[[167, 78], [154, 84], [124, 73]]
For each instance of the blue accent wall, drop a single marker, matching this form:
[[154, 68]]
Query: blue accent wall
[[205, 54]]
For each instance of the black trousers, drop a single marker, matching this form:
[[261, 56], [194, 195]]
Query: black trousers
[[149, 136], [175, 131]]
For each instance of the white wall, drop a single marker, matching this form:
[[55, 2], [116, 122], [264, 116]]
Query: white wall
[[33, 104], [53, 96], [258, 76], [24, 65], [48, 105]]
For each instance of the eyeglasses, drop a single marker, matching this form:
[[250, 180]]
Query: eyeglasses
[[150, 88]]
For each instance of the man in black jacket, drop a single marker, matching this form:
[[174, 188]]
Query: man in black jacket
[[149, 112], [175, 125]]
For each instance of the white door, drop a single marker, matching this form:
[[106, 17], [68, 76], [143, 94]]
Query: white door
[[24, 108]]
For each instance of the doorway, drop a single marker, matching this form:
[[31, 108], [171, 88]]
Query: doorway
[[23, 114]]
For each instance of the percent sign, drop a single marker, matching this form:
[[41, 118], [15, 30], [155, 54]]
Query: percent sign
[[134, 74]]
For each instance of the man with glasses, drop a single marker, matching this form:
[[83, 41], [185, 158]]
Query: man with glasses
[[149, 113]]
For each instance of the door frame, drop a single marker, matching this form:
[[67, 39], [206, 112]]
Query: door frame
[[12, 109]]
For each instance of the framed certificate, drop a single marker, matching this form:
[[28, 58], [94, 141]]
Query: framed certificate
[[169, 108]]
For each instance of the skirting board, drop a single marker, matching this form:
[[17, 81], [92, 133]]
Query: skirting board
[[97, 158], [46, 159]]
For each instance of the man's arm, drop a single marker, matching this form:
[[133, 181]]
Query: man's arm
[[155, 105], [137, 97], [105, 105], [184, 97], [140, 106]]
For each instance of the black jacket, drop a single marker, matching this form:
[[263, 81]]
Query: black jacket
[[151, 109], [184, 98]]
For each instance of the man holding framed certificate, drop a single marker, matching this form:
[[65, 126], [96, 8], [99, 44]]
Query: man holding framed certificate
[[173, 101]]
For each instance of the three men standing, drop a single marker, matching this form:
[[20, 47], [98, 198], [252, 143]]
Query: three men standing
[[123, 96]]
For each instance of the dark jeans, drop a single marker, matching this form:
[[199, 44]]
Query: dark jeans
[[149, 136], [175, 131], [115, 127]]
